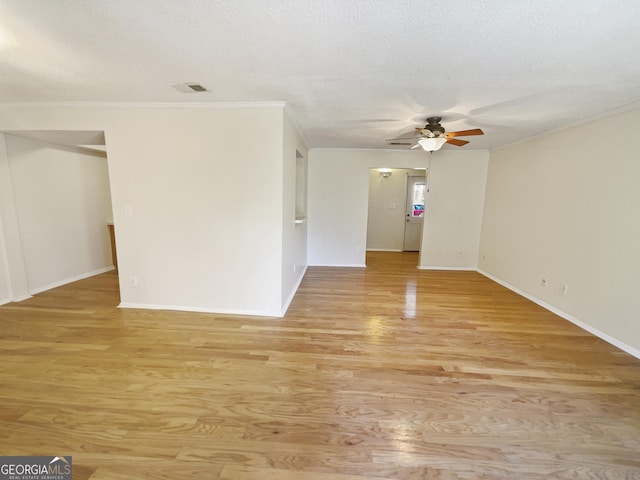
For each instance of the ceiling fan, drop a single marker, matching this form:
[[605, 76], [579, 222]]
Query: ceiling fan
[[432, 136]]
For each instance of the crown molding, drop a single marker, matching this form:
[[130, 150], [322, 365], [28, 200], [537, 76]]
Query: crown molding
[[274, 104], [619, 110], [289, 110]]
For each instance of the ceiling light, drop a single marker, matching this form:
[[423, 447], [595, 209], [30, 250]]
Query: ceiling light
[[385, 172], [432, 144]]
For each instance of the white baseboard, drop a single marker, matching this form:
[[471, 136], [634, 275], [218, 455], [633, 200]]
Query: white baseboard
[[34, 291], [461, 269], [19, 298], [607, 338], [285, 307], [338, 265], [221, 311]]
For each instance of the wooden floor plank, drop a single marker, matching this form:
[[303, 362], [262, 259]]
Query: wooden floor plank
[[387, 372]]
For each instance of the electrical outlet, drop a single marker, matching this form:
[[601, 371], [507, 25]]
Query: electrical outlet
[[543, 282], [133, 281], [564, 288]]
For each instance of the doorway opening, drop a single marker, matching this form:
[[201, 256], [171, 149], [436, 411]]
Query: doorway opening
[[396, 209], [58, 201]]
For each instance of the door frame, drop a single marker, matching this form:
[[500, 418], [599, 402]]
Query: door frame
[[407, 170]]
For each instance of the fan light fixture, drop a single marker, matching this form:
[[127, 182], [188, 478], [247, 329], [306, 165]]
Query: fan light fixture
[[432, 144]]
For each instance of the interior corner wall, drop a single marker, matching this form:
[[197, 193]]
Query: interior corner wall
[[197, 208], [13, 275], [453, 210], [339, 200], [6, 292], [63, 204], [564, 207], [294, 234]]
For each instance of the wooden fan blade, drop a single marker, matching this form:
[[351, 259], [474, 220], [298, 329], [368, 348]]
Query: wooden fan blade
[[456, 142], [465, 133], [416, 145], [399, 143]]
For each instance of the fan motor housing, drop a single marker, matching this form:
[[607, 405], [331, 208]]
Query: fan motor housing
[[433, 125]]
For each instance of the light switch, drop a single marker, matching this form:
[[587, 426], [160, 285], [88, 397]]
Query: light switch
[[391, 205], [128, 211]]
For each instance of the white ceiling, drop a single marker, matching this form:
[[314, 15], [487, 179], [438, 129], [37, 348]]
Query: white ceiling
[[353, 72]]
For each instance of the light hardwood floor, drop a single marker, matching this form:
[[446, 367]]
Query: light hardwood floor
[[387, 372]]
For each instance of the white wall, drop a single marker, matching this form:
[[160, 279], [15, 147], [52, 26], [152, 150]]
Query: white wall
[[206, 200], [565, 207], [62, 203], [294, 235], [386, 213], [453, 209], [13, 277], [6, 292], [338, 202], [339, 198]]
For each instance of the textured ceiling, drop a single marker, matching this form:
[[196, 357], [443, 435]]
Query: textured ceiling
[[353, 72]]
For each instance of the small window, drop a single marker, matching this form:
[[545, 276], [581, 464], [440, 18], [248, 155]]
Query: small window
[[418, 199]]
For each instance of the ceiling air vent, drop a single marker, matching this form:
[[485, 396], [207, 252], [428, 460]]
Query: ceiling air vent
[[189, 87]]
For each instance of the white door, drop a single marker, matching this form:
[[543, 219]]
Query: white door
[[414, 213]]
